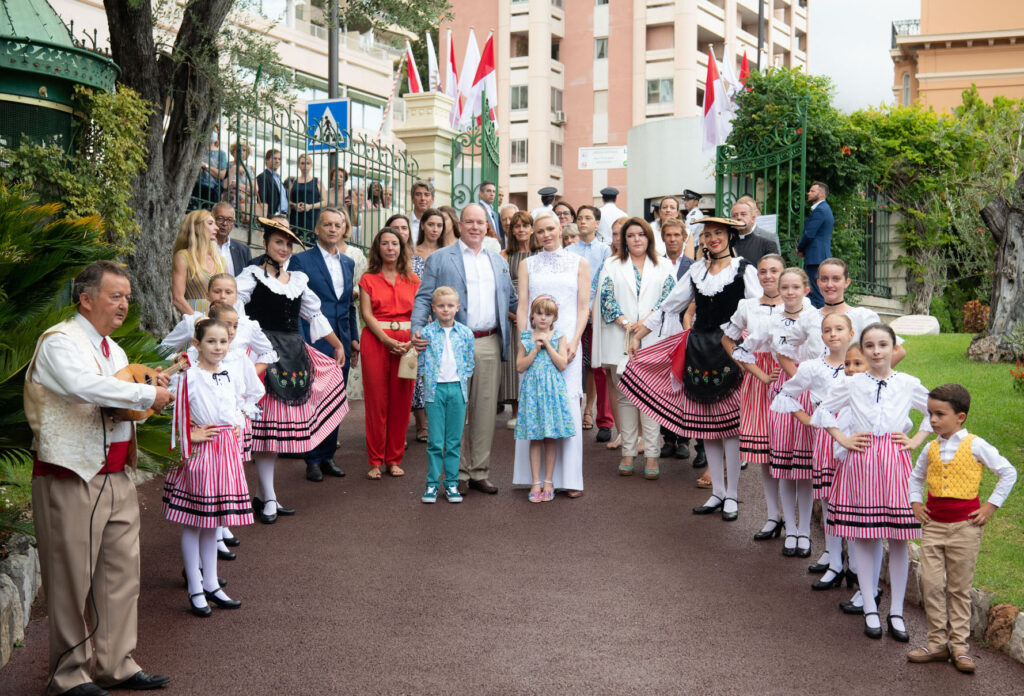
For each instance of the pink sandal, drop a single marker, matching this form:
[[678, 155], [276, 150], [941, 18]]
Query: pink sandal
[[536, 496], [547, 495]]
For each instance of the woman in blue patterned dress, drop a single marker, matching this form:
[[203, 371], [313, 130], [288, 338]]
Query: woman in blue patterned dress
[[544, 415]]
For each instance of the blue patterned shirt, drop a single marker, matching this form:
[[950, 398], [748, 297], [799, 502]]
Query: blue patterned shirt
[[430, 359], [595, 253]]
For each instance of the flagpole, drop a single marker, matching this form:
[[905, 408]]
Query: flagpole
[[760, 31]]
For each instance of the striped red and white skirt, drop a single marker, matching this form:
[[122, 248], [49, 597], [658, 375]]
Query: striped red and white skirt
[[648, 383], [756, 397], [247, 440], [297, 429], [209, 489], [869, 498], [823, 464], [791, 443]]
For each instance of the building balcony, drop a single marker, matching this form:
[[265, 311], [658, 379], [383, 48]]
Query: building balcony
[[905, 27]]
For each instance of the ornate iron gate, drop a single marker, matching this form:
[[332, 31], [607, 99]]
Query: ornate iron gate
[[366, 178], [474, 159], [772, 171]]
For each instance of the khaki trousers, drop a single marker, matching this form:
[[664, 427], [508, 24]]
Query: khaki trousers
[[475, 460], [633, 423], [62, 507], [949, 552]]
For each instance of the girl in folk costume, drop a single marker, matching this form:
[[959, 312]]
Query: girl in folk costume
[[790, 442], [544, 416], [707, 404], [305, 398], [208, 489], [815, 378], [869, 500], [748, 340]]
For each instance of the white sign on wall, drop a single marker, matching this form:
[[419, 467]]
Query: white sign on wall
[[605, 157]]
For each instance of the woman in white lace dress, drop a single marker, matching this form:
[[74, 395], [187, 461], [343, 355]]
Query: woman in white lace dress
[[565, 277]]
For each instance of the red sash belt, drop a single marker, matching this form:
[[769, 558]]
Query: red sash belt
[[117, 458]]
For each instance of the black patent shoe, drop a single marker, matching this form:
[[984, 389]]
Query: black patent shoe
[[816, 568], [701, 460], [835, 582], [848, 607], [870, 632], [223, 603], [708, 509], [226, 555], [231, 542], [803, 553], [313, 472], [220, 581], [283, 511], [789, 551], [772, 533], [329, 468], [901, 636], [731, 516], [201, 612]]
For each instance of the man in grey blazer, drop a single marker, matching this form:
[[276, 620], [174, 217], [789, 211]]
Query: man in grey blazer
[[486, 299]]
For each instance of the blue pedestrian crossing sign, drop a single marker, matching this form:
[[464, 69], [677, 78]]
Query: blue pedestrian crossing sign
[[327, 124]]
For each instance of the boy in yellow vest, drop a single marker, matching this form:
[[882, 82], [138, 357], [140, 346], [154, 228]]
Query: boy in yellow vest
[[952, 522]]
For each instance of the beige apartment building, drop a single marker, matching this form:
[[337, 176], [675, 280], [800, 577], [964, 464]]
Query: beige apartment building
[[952, 46], [580, 73]]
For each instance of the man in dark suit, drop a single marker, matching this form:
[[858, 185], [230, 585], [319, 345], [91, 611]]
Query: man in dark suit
[[331, 274], [486, 298], [236, 254], [816, 242], [488, 192], [269, 187], [748, 244]]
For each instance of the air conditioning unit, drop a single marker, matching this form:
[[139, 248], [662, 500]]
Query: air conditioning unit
[[558, 117]]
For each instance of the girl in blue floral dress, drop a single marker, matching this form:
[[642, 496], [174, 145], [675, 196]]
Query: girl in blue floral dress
[[544, 414]]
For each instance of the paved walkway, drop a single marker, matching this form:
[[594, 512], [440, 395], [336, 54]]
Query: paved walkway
[[367, 591]]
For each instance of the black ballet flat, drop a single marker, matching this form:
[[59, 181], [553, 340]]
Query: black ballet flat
[[201, 612], [281, 510], [772, 533], [816, 568], [730, 516], [803, 553], [789, 551], [832, 584], [226, 555], [257, 511], [870, 632], [223, 603], [231, 542], [708, 509], [220, 581], [901, 636], [848, 607]]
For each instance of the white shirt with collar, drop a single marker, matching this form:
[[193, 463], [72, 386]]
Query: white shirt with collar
[[982, 451], [333, 262], [480, 288], [61, 368], [225, 253], [816, 204], [449, 371]]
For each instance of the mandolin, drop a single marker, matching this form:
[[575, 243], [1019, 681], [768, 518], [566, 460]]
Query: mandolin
[[143, 374]]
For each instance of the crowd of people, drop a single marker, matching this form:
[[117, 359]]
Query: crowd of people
[[689, 337]]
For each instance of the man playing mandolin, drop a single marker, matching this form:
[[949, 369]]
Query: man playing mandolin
[[85, 504]]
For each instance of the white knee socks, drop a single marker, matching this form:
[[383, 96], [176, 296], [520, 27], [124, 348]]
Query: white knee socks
[[805, 502], [265, 469], [833, 544], [190, 557], [787, 496], [899, 569], [208, 554], [867, 577], [715, 454], [771, 493]]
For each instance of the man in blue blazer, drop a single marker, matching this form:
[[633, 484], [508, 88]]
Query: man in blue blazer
[[331, 275], [815, 243], [486, 299]]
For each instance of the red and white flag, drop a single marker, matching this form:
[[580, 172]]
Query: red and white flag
[[717, 124], [486, 82], [469, 65], [415, 86], [451, 83], [433, 74]]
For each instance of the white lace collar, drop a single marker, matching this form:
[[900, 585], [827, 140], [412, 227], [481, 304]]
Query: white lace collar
[[297, 281], [711, 284]]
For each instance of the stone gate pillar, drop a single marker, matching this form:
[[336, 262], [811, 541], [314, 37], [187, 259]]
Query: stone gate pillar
[[428, 138]]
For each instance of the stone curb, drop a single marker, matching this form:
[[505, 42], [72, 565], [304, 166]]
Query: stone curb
[[20, 580]]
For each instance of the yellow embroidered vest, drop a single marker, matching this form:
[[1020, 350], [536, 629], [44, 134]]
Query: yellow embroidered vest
[[959, 478]]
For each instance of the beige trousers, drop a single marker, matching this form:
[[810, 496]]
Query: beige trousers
[[949, 552], [633, 424], [475, 459], [62, 507]]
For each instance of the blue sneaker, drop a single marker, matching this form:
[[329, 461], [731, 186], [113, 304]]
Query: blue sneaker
[[430, 496], [452, 494]]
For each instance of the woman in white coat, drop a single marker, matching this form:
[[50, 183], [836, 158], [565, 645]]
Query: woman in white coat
[[631, 286]]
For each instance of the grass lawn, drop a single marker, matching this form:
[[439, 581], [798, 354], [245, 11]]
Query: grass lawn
[[996, 411]]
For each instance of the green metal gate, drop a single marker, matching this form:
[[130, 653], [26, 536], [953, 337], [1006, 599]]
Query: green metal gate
[[370, 180], [772, 171], [474, 160]]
